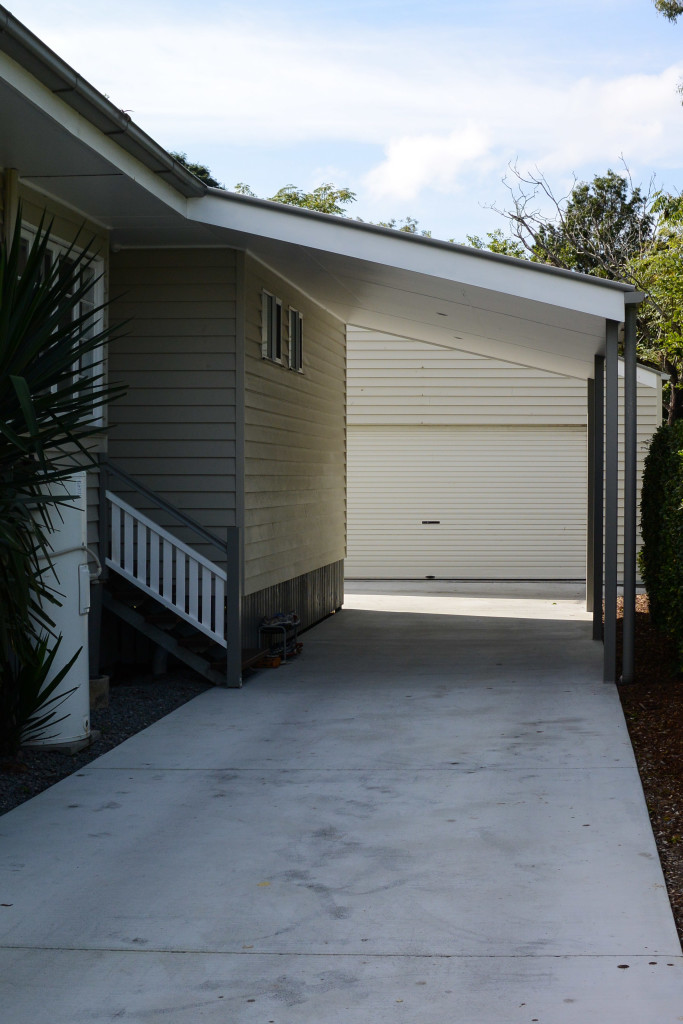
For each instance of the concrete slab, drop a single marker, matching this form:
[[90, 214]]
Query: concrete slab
[[377, 862], [88, 987], [429, 816]]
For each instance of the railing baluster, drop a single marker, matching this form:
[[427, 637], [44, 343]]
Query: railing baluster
[[115, 518], [128, 527], [206, 598], [167, 553], [193, 606], [154, 540], [180, 579], [164, 566], [219, 613], [141, 573]]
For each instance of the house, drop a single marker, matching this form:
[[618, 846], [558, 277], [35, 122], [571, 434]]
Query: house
[[223, 478], [458, 463]]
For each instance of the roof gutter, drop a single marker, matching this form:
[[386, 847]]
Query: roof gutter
[[43, 63], [407, 238]]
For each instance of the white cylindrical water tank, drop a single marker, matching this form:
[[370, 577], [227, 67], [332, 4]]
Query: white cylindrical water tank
[[70, 578]]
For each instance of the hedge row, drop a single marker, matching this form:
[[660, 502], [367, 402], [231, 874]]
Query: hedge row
[[661, 525]]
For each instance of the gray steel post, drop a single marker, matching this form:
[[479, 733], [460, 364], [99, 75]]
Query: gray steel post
[[590, 508], [630, 446], [598, 495], [611, 497], [235, 568], [233, 623]]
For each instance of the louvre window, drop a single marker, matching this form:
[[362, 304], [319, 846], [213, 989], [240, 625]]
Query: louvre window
[[296, 320], [271, 328]]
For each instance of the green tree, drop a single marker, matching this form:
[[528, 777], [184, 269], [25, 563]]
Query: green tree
[[409, 225], [200, 171], [496, 241], [326, 198], [671, 9], [659, 272], [596, 229], [610, 228]]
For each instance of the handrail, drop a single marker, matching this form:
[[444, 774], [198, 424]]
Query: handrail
[[109, 467], [162, 566], [178, 544]]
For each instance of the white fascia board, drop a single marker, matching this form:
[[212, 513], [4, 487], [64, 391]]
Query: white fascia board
[[645, 375], [534, 282], [80, 128]]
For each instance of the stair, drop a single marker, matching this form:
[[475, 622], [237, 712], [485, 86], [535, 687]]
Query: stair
[[166, 589], [166, 630]]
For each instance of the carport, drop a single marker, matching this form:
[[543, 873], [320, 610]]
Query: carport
[[71, 143], [480, 302]]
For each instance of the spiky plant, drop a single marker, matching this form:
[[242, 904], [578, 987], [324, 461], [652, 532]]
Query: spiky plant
[[49, 415]]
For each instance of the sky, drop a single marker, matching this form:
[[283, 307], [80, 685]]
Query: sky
[[420, 108]]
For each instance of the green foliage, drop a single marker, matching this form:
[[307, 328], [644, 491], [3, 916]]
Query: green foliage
[[496, 241], [200, 171], [603, 224], [408, 225], [661, 510], [658, 272], [28, 703], [610, 228], [325, 198], [671, 9], [49, 413]]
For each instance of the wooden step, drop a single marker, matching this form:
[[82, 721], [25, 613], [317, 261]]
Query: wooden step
[[210, 669]]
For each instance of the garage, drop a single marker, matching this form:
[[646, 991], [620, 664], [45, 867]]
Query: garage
[[462, 466], [466, 503]]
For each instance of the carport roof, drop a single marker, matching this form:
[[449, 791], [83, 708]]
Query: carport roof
[[71, 143]]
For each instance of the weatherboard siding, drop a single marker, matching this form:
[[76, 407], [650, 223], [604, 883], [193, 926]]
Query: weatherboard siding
[[398, 381], [295, 442], [175, 428]]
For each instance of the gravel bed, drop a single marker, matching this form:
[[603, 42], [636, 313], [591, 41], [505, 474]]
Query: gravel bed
[[134, 703]]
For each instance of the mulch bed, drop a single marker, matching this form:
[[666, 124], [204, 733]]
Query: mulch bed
[[135, 702], [653, 707]]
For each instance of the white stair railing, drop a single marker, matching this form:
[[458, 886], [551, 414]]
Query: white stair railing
[[164, 567]]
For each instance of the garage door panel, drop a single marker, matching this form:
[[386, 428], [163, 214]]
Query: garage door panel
[[510, 502]]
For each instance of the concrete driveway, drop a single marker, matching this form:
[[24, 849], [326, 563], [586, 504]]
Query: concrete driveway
[[432, 816]]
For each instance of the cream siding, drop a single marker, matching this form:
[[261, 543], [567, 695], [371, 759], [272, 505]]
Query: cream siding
[[295, 441], [494, 451], [175, 428], [399, 381]]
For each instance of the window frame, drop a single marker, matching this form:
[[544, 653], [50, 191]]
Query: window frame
[[296, 340], [271, 327], [55, 249]]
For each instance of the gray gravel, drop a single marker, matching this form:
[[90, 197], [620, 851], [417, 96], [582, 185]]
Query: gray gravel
[[134, 704]]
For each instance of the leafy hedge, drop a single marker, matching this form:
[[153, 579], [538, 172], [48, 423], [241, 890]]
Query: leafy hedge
[[661, 524]]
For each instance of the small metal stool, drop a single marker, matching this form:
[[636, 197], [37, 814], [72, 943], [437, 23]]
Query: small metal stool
[[286, 629]]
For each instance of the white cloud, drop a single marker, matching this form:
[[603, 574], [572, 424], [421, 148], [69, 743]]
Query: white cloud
[[447, 109], [588, 123], [413, 162]]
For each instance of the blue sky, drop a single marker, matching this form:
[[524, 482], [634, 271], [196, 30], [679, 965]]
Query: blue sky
[[418, 107]]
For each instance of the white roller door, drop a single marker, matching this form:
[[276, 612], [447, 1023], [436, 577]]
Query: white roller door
[[468, 503]]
